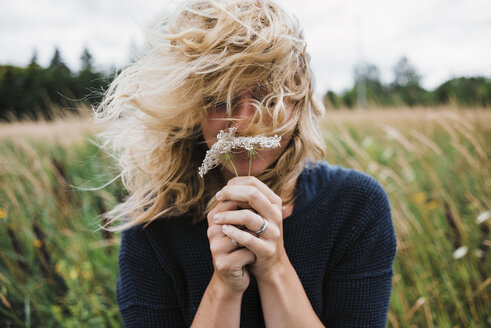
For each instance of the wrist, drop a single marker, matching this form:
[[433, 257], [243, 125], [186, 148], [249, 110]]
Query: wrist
[[277, 275], [220, 290]]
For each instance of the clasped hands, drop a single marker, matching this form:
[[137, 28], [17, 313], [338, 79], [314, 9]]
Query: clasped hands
[[244, 202]]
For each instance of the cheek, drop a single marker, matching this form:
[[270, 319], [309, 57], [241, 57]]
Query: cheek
[[211, 127], [277, 152], [284, 143]]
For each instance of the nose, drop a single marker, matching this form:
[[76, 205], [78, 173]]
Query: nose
[[243, 112]]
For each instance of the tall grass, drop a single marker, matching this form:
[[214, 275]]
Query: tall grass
[[435, 167], [57, 270]]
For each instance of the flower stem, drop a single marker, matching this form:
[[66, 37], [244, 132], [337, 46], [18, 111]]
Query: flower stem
[[237, 174], [250, 164], [232, 163]]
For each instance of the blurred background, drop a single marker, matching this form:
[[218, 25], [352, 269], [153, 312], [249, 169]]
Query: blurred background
[[407, 87]]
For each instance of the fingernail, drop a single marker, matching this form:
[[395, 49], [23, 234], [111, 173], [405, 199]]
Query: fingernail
[[224, 227], [218, 195], [216, 217]]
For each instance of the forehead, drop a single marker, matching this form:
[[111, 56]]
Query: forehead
[[260, 89]]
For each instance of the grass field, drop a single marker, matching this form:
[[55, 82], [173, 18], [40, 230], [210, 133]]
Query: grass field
[[58, 270]]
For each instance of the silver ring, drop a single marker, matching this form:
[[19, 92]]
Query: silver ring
[[236, 244], [263, 228]]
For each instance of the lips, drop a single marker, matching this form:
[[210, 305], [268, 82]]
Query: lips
[[238, 150]]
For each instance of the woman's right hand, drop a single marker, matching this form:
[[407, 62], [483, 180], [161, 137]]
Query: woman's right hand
[[228, 260]]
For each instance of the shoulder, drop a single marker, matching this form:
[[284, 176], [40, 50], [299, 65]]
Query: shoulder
[[134, 241], [363, 188], [360, 199], [345, 201], [143, 247], [145, 278], [355, 207], [154, 239], [321, 182], [138, 251], [320, 175]]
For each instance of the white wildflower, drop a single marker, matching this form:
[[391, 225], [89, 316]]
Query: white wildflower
[[372, 167], [479, 253], [460, 252], [483, 217], [226, 141], [214, 156], [391, 132], [387, 154], [367, 142]]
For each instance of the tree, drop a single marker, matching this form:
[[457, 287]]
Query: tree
[[86, 59], [34, 59], [406, 88], [332, 100], [56, 60], [466, 91], [405, 74], [11, 93], [89, 84], [368, 87], [33, 90], [59, 84]]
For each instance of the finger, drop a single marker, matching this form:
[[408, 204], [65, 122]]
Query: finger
[[251, 195], [244, 256], [256, 245], [213, 232], [228, 205], [235, 261], [222, 245], [261, 186], [248, 218]]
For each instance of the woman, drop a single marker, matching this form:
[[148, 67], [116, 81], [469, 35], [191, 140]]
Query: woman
[[279, 240]]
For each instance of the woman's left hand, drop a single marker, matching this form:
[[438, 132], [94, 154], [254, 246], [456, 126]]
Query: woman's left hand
[[255, 203]]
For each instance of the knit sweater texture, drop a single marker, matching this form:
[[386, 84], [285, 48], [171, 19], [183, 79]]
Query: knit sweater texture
[[340, 240]]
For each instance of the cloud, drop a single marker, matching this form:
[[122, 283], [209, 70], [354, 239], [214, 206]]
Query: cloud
[[441, 38]]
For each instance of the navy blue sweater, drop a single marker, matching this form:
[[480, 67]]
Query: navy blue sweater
[[340, 240]]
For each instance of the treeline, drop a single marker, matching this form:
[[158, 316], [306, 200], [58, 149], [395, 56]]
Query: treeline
[[35, 92], [405, 90]]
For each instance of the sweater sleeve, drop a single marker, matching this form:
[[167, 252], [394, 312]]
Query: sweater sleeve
[[357, 291], [145, 292]]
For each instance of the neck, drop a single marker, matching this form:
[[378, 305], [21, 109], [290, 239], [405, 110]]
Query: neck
[[287, 210]]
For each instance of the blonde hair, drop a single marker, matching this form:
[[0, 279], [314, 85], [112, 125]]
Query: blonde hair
[[200, 56]]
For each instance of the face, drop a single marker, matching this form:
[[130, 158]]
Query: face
[[218, 119]]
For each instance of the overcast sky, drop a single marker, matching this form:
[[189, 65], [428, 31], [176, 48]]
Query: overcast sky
[[441, 38]]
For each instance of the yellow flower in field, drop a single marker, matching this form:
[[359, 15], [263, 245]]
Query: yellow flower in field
[[419, 197], [59, 268], [56, 312], [37, 243], [74, 273], [431, 205], [3, 213]]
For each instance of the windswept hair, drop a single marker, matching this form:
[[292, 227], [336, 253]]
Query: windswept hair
[[198, 58]]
